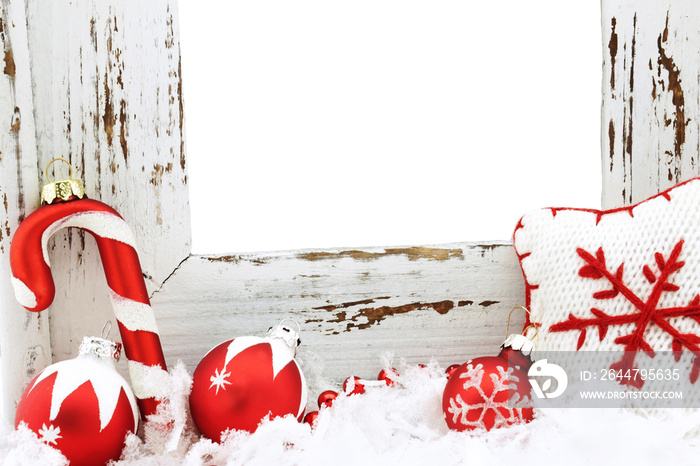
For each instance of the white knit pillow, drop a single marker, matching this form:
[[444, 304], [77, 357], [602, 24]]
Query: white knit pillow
[[626, 279]]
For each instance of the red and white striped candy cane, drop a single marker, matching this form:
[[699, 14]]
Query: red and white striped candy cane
[[34, 285]]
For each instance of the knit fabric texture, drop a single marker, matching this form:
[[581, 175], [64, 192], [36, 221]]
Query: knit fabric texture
[[626, 279]]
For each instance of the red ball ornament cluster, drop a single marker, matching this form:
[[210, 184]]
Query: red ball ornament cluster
[[325, 400], [353, 385], [492, 391]]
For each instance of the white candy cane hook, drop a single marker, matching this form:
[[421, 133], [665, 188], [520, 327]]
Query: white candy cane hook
[[34, 285]]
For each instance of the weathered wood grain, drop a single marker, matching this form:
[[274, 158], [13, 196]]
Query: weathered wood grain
[[651, 95], [24, 337], [106, 78], [446, 302]]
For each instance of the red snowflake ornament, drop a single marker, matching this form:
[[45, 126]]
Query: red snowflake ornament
[[619, 280], [242, 381], [82, 406], [490, 392]]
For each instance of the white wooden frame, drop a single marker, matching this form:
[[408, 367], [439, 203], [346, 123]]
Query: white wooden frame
[[100, 83]]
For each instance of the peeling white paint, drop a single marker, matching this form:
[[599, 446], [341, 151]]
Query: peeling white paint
[[651, 90]]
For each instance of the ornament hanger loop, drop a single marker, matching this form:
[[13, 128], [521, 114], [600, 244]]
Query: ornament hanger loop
[[64, 190], [291, 320], [536, 335], [286, 333], [511, 313], [106, 329], [70, 168], [537, 330]]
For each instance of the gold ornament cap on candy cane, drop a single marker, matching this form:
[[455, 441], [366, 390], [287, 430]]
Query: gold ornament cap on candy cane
[[63, 190]]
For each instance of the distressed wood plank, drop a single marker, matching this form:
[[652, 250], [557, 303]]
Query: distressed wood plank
[[446, 302], [24, 337], [651, 97]]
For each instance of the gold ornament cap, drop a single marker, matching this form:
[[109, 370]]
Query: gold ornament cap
[[63, 190]]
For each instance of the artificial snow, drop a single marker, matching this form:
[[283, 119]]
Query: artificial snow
[[400, 425]]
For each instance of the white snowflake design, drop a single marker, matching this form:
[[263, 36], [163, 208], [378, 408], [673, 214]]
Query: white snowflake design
[[218, 380], [49, 435], [503, 381]]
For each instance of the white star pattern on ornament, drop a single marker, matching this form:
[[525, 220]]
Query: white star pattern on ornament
[[49, 435], [514, 406], [218, 380]]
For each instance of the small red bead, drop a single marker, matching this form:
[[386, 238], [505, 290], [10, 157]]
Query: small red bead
[[353, 386], [388, 376], [311, 417], [450, 370], [327, 398]]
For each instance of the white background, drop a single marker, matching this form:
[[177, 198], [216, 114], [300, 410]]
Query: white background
[[322, 123]]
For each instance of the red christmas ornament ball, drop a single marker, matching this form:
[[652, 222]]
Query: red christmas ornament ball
[[489, 392], [311, 418], [81, 407], [388, 376], [450, 370], [242, 381], [326, 399], [353, 386]]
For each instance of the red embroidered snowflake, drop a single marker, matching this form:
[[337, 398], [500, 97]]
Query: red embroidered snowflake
[[646, 312]]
